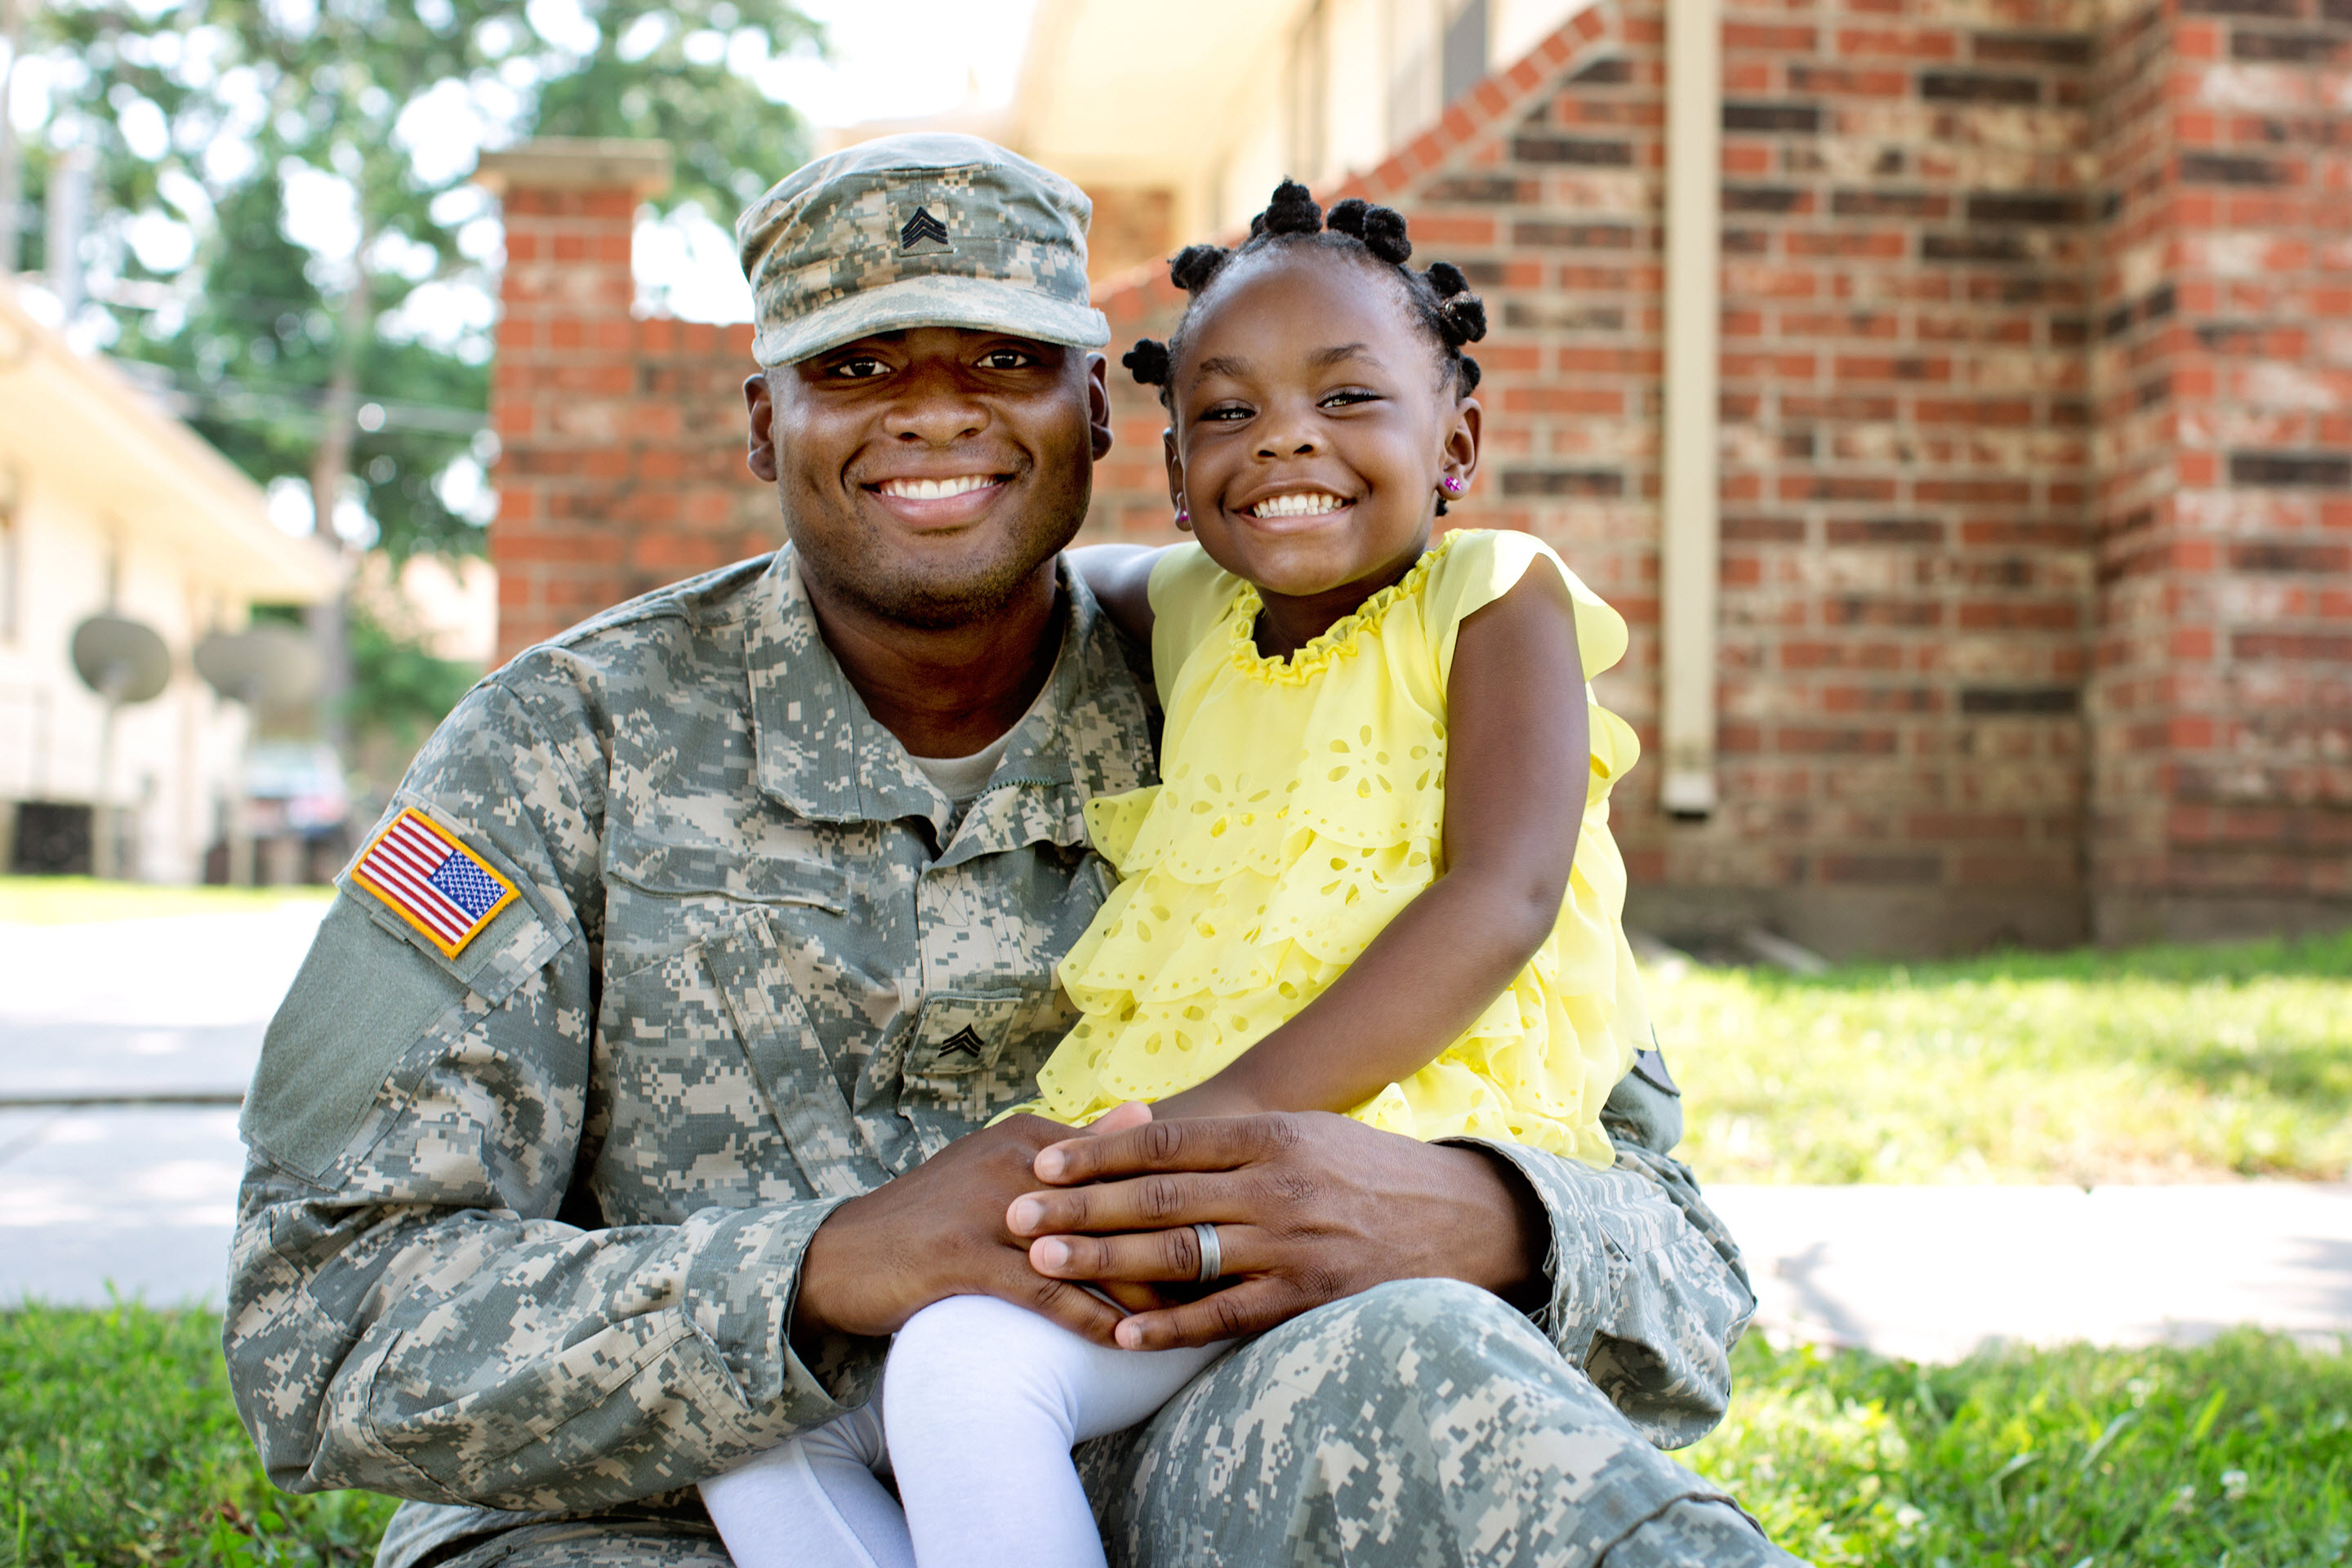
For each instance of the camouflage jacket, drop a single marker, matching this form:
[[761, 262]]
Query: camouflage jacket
[[521, 1227]]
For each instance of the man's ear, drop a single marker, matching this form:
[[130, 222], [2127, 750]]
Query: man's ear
[[761, 405], [1099, 404], [1175, 460]]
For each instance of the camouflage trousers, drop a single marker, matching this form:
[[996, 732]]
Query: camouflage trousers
[[1421, 1423]]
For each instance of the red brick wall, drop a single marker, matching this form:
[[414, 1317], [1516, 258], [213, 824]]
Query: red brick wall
[[1905, 569], [2037, 342], [2136, 319], [622, 440], [2223, 371]]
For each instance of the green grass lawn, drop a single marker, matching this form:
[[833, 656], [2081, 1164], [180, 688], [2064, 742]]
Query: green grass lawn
[[2153, 1064], [2235, 1455], [72, 900], [119, 1444]]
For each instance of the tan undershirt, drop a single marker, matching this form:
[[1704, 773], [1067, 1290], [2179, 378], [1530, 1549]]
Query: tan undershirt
[[962, 779]]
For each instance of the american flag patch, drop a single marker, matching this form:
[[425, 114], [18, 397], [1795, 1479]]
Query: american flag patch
[[431, 881]]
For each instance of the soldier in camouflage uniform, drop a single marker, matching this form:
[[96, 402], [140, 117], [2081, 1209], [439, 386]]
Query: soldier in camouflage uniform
[[599, 1148]]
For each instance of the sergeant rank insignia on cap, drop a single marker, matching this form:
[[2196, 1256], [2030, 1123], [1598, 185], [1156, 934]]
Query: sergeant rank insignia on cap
[[923, 236], [433, 882]]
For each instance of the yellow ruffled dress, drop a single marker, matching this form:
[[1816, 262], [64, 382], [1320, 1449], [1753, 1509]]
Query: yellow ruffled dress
[[1302, 807]]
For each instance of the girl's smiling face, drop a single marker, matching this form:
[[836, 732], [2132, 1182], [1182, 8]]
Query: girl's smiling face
[[1315, 421]]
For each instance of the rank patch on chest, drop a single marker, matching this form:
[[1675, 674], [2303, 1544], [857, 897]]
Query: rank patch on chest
[[433, 882], [963, 1042], [923, 235]]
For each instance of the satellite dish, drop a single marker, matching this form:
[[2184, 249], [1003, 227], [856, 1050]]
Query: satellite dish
[[121, 659], [274, 671], [269, 666]]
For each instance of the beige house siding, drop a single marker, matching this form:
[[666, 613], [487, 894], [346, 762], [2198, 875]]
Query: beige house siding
[[105, 503]]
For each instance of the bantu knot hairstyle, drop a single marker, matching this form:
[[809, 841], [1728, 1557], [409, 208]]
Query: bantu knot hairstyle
[[1194, 267], [1380, 229], [1464, 316], [1461, 315], [1292, 211], [1148, 362], [1440, 297]]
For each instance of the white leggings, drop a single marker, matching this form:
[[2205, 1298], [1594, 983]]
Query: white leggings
[[980, 1402]]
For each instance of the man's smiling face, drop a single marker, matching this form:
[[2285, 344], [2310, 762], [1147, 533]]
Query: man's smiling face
[[926, 475]]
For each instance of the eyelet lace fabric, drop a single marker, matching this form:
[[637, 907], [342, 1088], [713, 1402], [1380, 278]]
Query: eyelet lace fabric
[[1302, 807], [1340, 640]]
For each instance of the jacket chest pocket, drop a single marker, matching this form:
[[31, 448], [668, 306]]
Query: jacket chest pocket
[[973, 1053], [788, 1057]]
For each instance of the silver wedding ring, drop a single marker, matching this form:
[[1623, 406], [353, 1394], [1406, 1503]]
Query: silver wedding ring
[[1212, 1254]]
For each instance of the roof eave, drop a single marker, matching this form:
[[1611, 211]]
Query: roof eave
[[78, 424]]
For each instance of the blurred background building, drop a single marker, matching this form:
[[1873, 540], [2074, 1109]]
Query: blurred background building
[[111, 509], [1177, 123], [1989, 543]]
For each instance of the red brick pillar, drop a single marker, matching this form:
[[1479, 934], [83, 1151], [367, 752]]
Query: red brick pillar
[[622, 438], [2221, 706], [563, 382]]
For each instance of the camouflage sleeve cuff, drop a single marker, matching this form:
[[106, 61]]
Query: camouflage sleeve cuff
[[741, 1287], [634, 1362], [1647, 1292]]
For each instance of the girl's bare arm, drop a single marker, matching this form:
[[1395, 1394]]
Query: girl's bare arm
[[1120, 576], [1518, 759]]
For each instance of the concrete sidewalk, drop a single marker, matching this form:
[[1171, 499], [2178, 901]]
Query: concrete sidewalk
[[1931, 1273], [140, 1197], [138, 1201], [110, 1193], [160, 1008]]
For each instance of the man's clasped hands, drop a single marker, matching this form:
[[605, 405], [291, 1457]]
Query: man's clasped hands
[[1311, 1208]]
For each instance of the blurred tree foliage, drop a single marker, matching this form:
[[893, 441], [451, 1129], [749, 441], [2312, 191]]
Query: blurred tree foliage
[[257, 348], [400, 690], [353, 356], [410, 688], [330, 366]]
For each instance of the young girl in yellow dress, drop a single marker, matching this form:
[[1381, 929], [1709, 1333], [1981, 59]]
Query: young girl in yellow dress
[[1377, 876]]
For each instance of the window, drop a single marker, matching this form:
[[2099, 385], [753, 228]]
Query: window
[[1465, 50], [12, 570]]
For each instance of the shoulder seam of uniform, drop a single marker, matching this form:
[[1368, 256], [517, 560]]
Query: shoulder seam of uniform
[[546, 744], [575, 798]]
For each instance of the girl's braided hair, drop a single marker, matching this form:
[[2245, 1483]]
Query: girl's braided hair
[[1440, 297]]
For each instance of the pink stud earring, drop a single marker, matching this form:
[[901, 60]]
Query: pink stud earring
[[1183, 518], [1452, 486]]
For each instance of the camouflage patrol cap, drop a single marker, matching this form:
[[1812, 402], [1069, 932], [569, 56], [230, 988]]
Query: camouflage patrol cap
[[918, 231]]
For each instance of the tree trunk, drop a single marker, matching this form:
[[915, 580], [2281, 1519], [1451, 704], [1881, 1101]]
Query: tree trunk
[[329, 620], [11, 157]]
